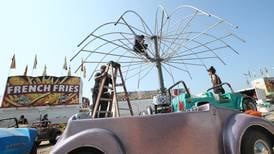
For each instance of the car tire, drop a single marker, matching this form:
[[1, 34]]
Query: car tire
[[38, 143], [54, 138], [256, 141], [249, 104], [86, 150]]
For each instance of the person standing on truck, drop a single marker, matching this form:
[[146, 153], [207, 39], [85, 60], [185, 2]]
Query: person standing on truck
[[105, 94], [215, 80]]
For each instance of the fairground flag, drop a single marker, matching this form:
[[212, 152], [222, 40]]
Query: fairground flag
[[266, 70], [85, 72], [249, 74], [65, 66], [13, 63], [247, 82], [262, 73], [35, 62], [26, 70], [69, 72], [45, 71], [82, 65]]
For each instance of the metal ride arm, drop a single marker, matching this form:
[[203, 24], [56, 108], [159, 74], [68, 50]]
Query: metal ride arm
[[220, 85], [175, 43]]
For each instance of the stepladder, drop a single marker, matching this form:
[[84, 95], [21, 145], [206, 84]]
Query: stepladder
[[107, 103]]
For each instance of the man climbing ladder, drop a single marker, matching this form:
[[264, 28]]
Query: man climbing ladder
[[105, 94], [109, 106]]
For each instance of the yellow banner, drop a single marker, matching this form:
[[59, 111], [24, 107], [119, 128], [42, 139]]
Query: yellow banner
[[24, 91]]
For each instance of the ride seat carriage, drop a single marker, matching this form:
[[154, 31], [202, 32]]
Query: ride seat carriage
[[219, 97], [177, 103], [230, 99]]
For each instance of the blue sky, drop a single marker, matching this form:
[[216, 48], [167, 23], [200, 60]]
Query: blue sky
[[52, 29]]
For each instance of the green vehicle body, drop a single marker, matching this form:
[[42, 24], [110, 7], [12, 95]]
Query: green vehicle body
[[231, 100]]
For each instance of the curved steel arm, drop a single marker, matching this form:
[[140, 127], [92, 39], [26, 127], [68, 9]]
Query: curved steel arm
[[200, 44], [203, 12], [220, 85], [215, 39], [164, 13], [109, 23], [163, 9], [142, 20]]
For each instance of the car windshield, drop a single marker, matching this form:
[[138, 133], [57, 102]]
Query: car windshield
[[8, 123]]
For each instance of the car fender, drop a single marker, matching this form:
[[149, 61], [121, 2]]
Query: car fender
[[17, 140], [31, 133], [242, 100], [101, 139], [235, 128]]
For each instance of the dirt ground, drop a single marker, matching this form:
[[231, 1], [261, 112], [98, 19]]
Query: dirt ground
[[45, 147]]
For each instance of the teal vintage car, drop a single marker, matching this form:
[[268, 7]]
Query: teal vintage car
[[16, 140], [231, 100]]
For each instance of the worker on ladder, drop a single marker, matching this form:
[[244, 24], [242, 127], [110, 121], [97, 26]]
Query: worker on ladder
[[103, 103]]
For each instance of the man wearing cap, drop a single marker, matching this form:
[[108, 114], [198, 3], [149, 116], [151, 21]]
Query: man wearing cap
[[98, 78], [140, 46], [215, 80]]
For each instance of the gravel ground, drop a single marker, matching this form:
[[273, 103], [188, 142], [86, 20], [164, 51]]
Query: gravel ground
[[270, 117]]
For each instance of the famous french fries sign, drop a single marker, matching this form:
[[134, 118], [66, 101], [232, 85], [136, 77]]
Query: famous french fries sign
[[23, 91]]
